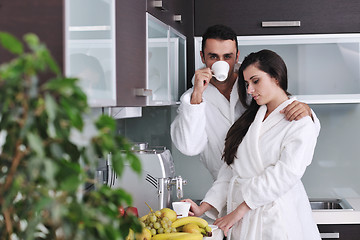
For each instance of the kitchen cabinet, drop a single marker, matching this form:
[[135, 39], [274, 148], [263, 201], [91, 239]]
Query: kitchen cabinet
[[179, 15], [246, 17], [166, 66], [176, 13], [44, 18], [339, 231], [124, 57], [105, 47], [322, 68]]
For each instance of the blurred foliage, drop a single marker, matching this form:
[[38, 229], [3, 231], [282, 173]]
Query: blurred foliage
[[46, 156]]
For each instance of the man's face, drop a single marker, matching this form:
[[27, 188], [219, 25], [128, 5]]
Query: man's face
[[220, 50]]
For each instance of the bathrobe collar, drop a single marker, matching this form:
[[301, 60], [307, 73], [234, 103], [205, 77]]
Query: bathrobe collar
[[227, 108]]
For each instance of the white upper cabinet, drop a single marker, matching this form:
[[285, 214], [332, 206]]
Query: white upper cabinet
[[166, 61], [90, 48], [123, 56], [322, 68]]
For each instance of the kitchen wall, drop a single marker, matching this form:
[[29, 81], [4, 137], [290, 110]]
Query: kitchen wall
[[334, 172]]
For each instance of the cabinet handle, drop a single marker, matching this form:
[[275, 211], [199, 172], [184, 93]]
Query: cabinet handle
[[142, 92], [329, 235], [280, 24], [159, 4], [177, 18]]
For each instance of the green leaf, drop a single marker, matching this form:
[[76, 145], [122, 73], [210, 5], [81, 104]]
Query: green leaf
[[70, 183], [50, 172], [69, 176], [106, 121], [32, 40], [11, 43], [118, 163], [36, 144], [134, 162], [51, 106], [42, 204], [51, 62], [64, 86]]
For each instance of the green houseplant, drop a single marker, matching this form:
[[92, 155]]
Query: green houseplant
[[43, 167]]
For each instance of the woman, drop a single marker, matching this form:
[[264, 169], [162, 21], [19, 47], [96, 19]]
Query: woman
[[265, 157]]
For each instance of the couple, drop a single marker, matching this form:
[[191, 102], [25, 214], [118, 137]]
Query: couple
[[265, 154]]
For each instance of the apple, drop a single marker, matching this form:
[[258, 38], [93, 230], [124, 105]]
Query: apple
[[121, 211], [131, 211]]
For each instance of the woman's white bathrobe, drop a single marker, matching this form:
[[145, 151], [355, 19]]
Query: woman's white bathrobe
[[201, 128], [266, 174]]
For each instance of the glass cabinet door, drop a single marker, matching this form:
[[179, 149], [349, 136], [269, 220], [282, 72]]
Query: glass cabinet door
[[158, 61], [90, 48], [177, 64], [322, 68], [166, 63]]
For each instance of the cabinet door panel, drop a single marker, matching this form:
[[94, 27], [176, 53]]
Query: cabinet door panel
[[163, 13], [44, 18], [245, 17], [130, 51], [172, 8], [346, 231]]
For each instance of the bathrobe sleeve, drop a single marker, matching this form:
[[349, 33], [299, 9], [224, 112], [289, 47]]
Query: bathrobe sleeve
[[188, 129], [296, 154], [217, 194], [317, 122]]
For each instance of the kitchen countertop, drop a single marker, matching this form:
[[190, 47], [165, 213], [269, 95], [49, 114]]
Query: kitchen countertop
[[339, 216], [320, 217], [217, 234]]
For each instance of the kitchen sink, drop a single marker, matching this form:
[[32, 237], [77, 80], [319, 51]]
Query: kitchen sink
[[329, 204]]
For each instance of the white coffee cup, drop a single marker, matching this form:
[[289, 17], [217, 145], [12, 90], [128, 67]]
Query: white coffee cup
[[181, 209], [220, 69]]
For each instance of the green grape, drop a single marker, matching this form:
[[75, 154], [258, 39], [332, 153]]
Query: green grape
[[173, 229], [151, 225], [153, 218], [165, 225], [143, 224], [160, 230], [165, 219], [167, 230], [157, 213], [153, 232], [148, 227], [157, 225]]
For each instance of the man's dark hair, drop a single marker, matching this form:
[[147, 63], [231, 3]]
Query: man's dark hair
[[221, 32]]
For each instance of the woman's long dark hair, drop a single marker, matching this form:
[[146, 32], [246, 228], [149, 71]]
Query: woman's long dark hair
[[270, 63]]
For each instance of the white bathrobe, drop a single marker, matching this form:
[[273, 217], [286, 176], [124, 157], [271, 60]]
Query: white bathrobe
[[266, 174], [202, 128]]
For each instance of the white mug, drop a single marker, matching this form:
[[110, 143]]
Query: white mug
[[220, 70], [181, 209]]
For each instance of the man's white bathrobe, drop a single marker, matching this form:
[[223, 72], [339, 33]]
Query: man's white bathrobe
[[202, 128], [266, 174]]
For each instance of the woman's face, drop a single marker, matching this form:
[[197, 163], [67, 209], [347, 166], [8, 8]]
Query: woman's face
[[263, 88]]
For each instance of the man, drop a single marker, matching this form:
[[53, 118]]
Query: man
[[208, 110]]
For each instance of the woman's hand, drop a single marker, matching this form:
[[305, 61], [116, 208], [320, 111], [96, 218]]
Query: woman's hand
[[196, 210], [226, 222]]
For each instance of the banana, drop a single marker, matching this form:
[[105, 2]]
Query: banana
[[167, 236], [143, 218], [185, 220], [188, 236]]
